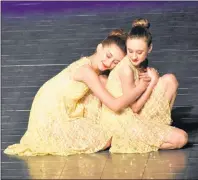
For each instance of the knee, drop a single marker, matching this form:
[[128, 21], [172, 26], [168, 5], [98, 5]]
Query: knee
[[182, 139], [170, 80]]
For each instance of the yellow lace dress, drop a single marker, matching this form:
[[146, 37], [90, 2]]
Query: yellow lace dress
[[63, 119], [131, 132]]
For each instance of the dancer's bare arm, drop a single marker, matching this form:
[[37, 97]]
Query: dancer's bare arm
[[139, 104], [128, 83], [87, 75]]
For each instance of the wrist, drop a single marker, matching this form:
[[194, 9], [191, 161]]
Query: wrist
[[152, 84]]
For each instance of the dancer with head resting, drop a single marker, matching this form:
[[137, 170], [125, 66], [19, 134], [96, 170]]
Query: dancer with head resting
[[62, 120], [145, 126]]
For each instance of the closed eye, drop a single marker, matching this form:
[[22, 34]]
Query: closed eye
[[116, 62], [109, 55], [140, 52]]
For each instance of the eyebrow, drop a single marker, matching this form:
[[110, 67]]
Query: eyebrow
[[136, 50]]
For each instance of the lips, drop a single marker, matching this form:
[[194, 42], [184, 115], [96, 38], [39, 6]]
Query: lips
[[135, 61], [104, 66]]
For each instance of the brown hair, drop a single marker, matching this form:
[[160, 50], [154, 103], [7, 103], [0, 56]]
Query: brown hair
[[140, 29], [141, 22], [118, 37], [117, 32]]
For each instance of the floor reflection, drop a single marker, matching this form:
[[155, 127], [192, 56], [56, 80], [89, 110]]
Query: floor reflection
[[169, 164], [162, 164], [53, 166]]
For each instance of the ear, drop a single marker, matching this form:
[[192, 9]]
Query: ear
[[150, 48], [99, 47]]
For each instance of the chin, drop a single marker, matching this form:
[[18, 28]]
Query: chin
[[136, 64], [101, 68]]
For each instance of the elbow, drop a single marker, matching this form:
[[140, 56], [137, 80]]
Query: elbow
[[116, 108], [135, 109]]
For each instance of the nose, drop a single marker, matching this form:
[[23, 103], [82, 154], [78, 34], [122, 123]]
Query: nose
[[134, 56], [108, 62]]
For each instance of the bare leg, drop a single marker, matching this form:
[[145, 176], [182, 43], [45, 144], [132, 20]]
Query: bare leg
[[175, 140], [173, 100], [107, 145], [170, 84], [178, 138]]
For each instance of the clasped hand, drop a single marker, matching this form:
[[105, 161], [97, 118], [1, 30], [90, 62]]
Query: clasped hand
[[148, 77]]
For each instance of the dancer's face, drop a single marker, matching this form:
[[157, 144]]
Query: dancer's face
[[137, 50], [109, 56]]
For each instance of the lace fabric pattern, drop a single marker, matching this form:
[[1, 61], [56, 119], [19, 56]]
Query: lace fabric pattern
[[131, 132], [63, 119]]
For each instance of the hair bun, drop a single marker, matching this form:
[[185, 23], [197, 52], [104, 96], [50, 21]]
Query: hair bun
[[141, 22], [117, 32]]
